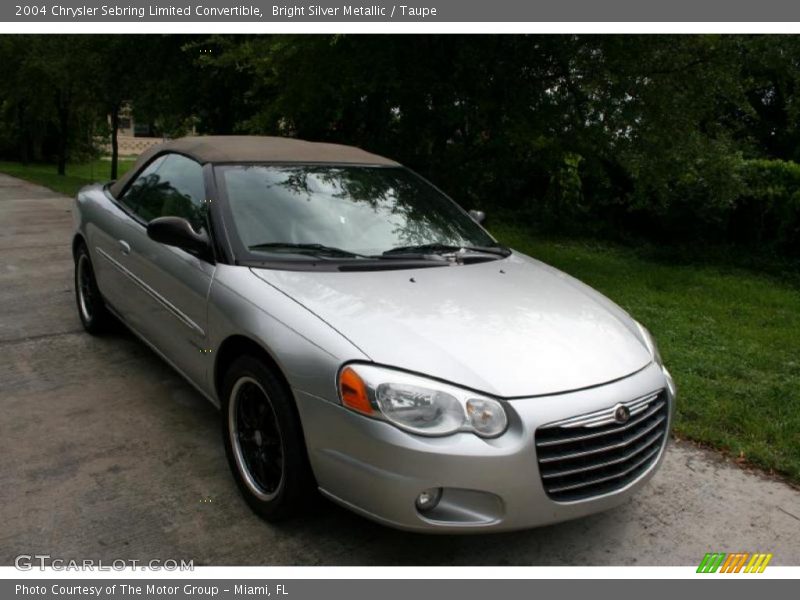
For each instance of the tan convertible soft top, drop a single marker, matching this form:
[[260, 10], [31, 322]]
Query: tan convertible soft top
[[246, 148]]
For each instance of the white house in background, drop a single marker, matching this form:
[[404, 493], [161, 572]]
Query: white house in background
[[134, 138]]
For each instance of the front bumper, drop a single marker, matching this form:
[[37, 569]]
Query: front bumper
[[378, 470]]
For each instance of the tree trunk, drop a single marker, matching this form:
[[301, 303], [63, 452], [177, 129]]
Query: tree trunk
[[62, 156], [25, 139], [114, 140], [63, 123]]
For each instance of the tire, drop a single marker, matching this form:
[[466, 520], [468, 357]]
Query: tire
[[264, 441], [91, 308]]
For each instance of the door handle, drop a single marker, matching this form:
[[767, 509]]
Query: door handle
[[124, 247]]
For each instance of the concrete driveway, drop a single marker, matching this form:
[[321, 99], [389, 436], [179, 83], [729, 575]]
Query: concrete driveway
[[106, 453]]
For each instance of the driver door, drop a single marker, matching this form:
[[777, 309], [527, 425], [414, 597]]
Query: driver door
[[170, 311]]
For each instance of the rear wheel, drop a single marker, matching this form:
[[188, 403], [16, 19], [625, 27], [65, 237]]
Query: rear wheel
[[91, 309], [264, 441]]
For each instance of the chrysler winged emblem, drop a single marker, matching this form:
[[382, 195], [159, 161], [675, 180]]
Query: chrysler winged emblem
[[622, 414]]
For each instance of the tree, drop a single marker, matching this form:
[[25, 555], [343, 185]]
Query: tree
[[656, 134], [47, 88], [115, 61]]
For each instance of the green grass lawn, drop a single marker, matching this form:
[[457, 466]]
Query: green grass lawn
[[730, 337], [78, 175]]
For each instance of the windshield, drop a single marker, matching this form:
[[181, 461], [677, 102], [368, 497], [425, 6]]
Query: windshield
[[352, 212]]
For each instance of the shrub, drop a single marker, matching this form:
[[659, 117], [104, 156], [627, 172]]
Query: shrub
[[767, 211]]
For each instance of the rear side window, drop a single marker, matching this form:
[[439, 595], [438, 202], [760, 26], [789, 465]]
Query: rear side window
[[170, 186]]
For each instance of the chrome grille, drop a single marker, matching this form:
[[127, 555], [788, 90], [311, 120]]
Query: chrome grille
[[594, 454]]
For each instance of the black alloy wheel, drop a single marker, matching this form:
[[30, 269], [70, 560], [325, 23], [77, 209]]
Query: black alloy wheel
[[264, 441]]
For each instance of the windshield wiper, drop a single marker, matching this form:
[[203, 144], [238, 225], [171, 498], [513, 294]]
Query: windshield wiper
[[316, 249], [446, 249]]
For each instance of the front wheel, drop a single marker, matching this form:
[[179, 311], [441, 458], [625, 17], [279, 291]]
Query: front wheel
[[264, 441]]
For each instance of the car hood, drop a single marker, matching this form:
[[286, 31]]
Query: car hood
[[512, 328]]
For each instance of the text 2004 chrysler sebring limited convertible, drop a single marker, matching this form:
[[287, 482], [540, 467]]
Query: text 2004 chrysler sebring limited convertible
[[365, 336]]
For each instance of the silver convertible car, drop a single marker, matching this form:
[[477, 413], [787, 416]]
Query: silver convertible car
[[365, 337]]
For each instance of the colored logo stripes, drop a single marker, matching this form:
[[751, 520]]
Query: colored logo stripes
[[734, 563]]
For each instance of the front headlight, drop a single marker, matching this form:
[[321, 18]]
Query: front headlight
[[418, 404], [650, 342]]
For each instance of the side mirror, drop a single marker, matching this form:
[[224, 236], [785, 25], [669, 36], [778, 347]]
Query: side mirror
[[178, 232], [477, 215]]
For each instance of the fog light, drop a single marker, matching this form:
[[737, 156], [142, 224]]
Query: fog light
[[428, 499]]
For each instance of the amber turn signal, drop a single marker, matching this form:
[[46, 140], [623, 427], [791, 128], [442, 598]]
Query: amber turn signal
[[353, 392]]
